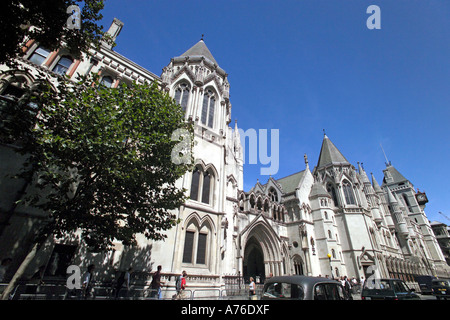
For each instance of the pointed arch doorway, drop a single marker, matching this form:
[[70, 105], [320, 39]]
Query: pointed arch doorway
[[253, 264]]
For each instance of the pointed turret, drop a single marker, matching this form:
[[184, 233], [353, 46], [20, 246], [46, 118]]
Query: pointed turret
[[200, 49], [375, 185], [397, 213], [371, 196], [330, 154]]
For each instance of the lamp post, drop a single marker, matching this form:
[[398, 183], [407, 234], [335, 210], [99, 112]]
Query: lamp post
[[331, 267]]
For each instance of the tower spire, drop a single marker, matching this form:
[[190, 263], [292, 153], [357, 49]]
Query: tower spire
[[388, 163]]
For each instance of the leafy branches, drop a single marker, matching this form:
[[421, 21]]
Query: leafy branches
[[101, 158]]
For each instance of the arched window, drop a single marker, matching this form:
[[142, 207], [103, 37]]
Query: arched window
[[63, 65], [196, 240], [182, 95], [332, 191], [348, 193], [107, 81], [206, 187], [39, 55], [195, 183], [329, 235], [209, 101], [273, 195], [201, 185], [252, 202]]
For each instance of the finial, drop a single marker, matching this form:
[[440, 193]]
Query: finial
[[324, 132], [202, 37]]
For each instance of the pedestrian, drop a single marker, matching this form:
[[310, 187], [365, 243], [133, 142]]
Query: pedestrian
[[347, 285], [88, 282], [3, 268], [125, 277], [362, 282], [156, 284], [252, 290], [180, 284]]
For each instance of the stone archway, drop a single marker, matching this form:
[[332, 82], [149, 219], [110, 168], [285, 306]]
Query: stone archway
[[253, 264], [262, 249]]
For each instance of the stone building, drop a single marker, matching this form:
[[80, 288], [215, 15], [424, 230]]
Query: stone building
[[331, 220]]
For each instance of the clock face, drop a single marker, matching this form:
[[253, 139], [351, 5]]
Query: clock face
[[421, 197]]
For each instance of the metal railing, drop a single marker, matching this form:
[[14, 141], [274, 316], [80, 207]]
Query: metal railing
[[108, 292]]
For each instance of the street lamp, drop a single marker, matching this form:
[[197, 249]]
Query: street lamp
[[331, 267]]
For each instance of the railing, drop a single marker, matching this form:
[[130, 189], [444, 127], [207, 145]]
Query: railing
[[60, 292]]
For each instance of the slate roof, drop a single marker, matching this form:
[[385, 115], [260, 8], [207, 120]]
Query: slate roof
[[329, 154], [290, 183], [396, 176], [199, 49]]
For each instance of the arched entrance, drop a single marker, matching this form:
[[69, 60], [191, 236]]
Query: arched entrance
[[253, 265]]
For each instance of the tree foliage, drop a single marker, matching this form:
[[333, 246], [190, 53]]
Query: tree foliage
[[46, 22], [101, 159]]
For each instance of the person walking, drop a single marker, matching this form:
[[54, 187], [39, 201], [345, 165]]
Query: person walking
[[88, 283], [252, 289], [180, 285], [125, 277], [156, 284]]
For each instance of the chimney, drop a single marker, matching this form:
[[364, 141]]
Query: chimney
[[113, 32]]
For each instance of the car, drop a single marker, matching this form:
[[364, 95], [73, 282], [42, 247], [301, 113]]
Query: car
[[303, 288], [387, 289], [424, 282], [440, 288]]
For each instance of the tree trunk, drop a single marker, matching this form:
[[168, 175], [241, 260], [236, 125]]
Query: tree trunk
[[30, 256]]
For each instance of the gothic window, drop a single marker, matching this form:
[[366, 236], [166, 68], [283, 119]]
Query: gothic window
[[333, 253], [332, 191], [329, 235], [39, 55], [201, 248], [195, 184], [252, 202], [206, 187], [259, 204], [273, 195], [348, 193], [182, 95], [201, 185], [63, 65], [196, 243], [266, 206], [209, 101], [188, 246]]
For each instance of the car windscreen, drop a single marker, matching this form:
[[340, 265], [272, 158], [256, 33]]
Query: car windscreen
[[377, 284], [284, 290]]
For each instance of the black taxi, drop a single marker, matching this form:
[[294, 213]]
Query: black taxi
[[303, 288]]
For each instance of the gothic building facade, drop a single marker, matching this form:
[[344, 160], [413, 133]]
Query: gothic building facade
[[331, 220]]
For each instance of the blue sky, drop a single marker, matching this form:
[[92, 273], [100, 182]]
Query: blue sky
[[307, 65]]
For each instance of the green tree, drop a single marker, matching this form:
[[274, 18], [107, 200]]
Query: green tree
[[101, 160], [46, 22]]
